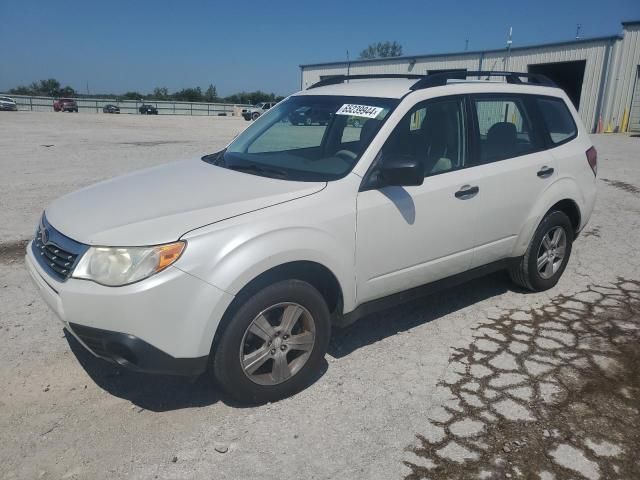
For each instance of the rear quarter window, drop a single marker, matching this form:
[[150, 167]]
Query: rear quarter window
[[558, 120]]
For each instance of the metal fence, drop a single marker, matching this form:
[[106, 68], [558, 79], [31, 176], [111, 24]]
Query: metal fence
[[95, 105]]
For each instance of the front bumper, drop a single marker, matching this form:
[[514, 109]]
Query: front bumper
[[8, 108], [164, 324], [135, 354]]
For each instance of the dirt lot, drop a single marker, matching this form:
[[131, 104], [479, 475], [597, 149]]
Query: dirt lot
[[481, 381]]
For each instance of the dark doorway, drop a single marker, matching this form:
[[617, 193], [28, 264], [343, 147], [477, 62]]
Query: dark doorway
[[568, 76]]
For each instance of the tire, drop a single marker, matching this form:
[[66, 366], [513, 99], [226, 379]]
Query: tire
[[238, 340], [308, 121], [525, 271], [254, 116]]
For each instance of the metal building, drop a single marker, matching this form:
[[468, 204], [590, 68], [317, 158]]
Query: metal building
[[601, 75]]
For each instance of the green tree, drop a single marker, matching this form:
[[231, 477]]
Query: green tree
[[49, 88], [160, 93], [252, 97], [211, 94], [189, 95], [21, 90], [132, 96], [382, 50], [67, 92]]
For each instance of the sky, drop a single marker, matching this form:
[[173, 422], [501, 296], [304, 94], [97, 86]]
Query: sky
[[114, 46]]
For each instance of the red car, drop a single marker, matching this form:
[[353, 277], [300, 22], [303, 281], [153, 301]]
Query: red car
[[65, 105]]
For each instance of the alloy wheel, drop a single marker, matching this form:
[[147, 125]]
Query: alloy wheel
[[277, 343], [551, 252]]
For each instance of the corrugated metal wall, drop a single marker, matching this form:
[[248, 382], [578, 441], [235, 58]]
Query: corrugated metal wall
[[622, 77], [608, 83], [593, 53], [634, 116]]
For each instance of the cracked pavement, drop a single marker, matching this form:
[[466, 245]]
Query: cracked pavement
[[479, 381]]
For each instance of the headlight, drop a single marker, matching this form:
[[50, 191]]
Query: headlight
[[117, 266]]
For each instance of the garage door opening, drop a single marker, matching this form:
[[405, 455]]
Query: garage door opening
[[568, 76]]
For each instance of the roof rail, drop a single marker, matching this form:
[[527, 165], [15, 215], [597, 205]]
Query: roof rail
[[441, 78], [336, 79]]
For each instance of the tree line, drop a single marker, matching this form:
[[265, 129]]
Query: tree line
[[52, 88]]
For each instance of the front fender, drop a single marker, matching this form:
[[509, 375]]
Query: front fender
[[562, 189], [239, 256]]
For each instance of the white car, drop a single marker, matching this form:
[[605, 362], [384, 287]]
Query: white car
[[8, 104], [240, 262], [252, 113]]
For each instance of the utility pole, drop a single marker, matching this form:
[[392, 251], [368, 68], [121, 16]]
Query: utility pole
[[466, 44], [508, 55], [578, 28], [348, 63]]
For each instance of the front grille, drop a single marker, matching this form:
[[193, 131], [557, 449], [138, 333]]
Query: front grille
[[56, 253]]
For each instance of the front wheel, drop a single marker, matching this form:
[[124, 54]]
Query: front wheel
[[254, 116], [274, 343], [547, 255]]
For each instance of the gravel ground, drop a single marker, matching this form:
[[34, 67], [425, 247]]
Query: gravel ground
[[481, 381]]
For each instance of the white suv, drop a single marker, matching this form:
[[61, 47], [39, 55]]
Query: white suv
[[240, 262]]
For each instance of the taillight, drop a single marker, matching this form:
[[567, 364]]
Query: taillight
[[592, 158]]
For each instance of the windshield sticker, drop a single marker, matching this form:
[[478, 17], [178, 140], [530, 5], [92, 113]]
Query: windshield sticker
[[359, 110]]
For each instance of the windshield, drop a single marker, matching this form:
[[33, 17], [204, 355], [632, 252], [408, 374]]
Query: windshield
[[307, 138]]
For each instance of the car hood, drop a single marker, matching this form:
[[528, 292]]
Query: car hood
[[160, 204]]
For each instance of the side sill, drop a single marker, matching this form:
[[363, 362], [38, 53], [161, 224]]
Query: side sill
[[418, 292]]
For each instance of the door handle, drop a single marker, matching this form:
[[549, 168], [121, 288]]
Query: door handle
[[545, 172], [466, 192]]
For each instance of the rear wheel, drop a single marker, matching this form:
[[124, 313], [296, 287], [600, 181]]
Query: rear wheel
[[255, 115], [547, 255], [274, 344]]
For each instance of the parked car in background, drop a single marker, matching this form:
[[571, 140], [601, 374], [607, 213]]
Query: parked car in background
[[110, 108], [65, 105], [8, 104], [146, 109], [252, 113], [310, 115]]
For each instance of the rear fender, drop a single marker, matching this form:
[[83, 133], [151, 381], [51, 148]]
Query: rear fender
[[562, 189]]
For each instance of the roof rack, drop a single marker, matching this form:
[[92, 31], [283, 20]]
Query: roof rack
[[336, 79], [442, 78]]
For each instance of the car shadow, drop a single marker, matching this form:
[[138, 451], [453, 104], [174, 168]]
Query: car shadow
[[402, 201], [151, 392], [400, 318], [157, 393], [160, 393]]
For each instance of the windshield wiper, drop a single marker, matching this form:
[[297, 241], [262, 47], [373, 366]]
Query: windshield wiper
[[260, 169]]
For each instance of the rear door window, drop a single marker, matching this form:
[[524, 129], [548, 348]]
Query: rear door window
[[558, 119], [505, 128]]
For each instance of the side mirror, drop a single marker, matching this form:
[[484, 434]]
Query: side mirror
[[402, 171]]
